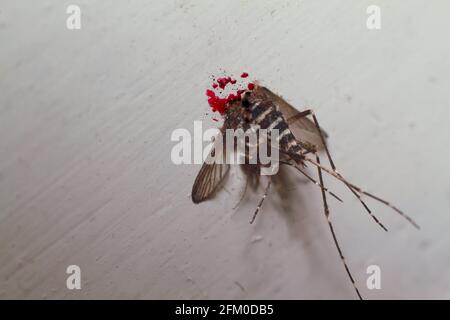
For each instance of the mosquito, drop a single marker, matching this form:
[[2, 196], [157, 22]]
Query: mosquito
[[300, 141]]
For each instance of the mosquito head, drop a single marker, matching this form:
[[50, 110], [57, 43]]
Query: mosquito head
[[246, 99]]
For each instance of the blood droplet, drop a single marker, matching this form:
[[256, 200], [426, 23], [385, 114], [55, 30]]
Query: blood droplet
[[219, 104], [224, 81], [216, 103]]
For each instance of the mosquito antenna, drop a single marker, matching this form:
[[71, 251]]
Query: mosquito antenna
[[330, 225], [261, 201]]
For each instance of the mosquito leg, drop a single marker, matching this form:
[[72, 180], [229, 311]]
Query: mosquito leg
[[341, 178], [404, 215], [243, 193], [312, 180], [358, 189], [261, 201], [330, 160], [330, 225], [298, 116]]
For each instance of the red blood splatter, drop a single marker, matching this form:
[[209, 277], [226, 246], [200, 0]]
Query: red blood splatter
[[224, 81], [219, 104], [216, 103], [231, 97]]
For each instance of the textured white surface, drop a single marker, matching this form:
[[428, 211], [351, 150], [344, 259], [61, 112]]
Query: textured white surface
[[85, 170]]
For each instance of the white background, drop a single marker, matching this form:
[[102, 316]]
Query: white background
[[85, 170]]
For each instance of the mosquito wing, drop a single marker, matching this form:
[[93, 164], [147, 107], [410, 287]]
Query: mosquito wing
[[302, 128], [212, 173]]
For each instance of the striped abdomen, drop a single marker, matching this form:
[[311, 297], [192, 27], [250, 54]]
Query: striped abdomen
[[266, 116]]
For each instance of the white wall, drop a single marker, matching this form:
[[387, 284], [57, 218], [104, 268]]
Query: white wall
[[85, 170]]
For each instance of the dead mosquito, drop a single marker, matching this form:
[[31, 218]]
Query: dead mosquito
[[300, 140]]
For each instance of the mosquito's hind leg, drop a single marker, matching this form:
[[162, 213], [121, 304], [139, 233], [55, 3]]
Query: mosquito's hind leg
[[330, 160], [404, 215], [330, 225], [312, 179], [266, 191], [243, 193]]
